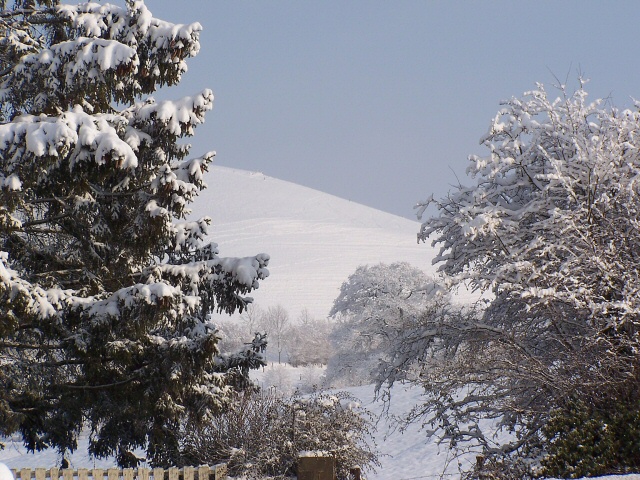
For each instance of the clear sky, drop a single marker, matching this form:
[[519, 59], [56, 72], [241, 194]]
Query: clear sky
[[381, 102]]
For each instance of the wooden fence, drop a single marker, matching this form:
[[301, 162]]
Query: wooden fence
[[204, 472]]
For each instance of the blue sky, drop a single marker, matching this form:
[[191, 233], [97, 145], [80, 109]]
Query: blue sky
[[381, 102]]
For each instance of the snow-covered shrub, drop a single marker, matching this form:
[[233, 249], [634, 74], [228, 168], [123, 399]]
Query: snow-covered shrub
[[503, 467], [592, 439], [105, 288], [311, 378], [334, 423], [277, 377], [262, 435], [5, 472], [285, 379]]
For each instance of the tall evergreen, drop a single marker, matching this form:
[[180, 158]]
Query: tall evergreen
[[105, 287]]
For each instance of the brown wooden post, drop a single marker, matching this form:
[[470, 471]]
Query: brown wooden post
[[220, 471], [158, 473], [113, 474], [316, 468], [25, 474]]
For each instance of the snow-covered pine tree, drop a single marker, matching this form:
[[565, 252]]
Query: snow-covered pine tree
[[105, 288]]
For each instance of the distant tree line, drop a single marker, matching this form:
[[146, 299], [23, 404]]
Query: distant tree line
[[299, 342]]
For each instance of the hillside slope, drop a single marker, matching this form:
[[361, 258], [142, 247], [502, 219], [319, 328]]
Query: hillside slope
[[315, 240]]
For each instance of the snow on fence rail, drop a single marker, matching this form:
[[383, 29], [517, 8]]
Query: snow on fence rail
[[203, 472]]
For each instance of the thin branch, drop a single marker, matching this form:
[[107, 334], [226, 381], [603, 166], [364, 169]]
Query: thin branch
[[45, 220], [99, 387], [25, 346]]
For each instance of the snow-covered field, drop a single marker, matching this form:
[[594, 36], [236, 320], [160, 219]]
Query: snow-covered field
[[404, 455], [315, 241]]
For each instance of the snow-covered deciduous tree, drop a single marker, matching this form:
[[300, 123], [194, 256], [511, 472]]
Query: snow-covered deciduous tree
[[550, 226], [307, 340], [233, 335], [105, 288], [377, 305]]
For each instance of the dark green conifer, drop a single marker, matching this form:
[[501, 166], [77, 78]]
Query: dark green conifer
[[105, 287]]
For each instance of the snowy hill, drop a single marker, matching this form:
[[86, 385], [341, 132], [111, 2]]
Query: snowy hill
[[315, 240]]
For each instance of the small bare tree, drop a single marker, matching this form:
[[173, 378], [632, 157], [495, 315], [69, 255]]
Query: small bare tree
[[275, 321], [307, 341], [252, 318]]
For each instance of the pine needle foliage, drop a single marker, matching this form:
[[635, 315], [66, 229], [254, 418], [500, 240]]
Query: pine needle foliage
[[105, 287]]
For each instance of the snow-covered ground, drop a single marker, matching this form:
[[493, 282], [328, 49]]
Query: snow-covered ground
[[5, 473], [407, 455], [404, 455]]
